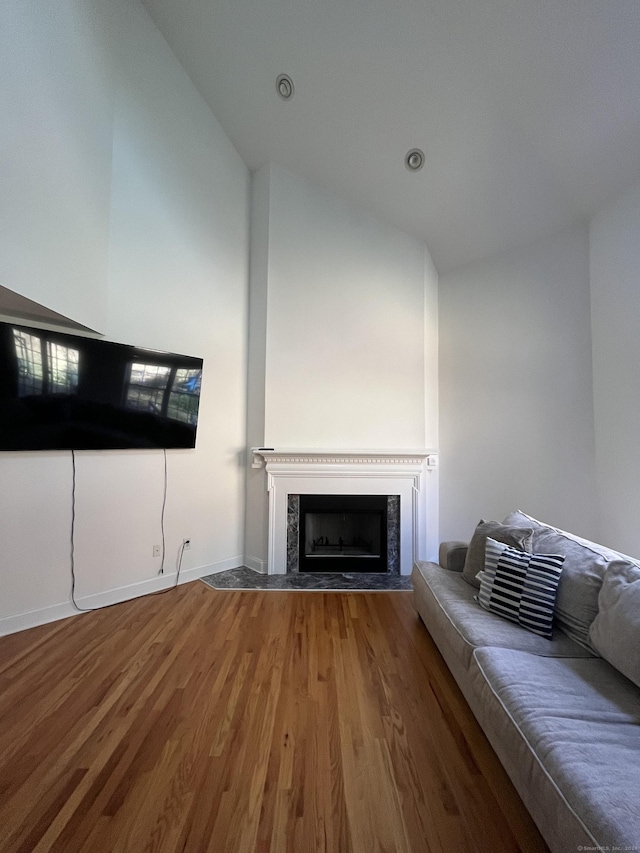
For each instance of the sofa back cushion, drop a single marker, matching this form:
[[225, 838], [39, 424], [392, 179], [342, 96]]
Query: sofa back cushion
[[615, 632], [517, 537], [582, 575]]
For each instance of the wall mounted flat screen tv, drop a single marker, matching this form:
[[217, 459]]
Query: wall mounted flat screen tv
[[65, 392]]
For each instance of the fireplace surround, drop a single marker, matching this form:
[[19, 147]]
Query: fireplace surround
[[409, 474]]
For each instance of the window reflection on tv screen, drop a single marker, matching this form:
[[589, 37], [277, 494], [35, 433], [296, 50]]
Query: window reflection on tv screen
[[60, 392]]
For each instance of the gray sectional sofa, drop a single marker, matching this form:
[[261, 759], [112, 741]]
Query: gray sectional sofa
[[560, 714]]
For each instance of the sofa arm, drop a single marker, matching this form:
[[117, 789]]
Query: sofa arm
[[452, 555]]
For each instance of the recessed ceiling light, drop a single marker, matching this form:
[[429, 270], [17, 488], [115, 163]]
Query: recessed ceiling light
[[414, 160], [284, 87]]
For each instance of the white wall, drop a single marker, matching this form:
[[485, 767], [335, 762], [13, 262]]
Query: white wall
[[348, 357], [345, 325], [57, 101], [168, 270], [516, 415], [615, 297]]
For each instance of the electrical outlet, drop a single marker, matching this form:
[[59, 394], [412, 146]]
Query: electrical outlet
[[187, 544], [156, 550]]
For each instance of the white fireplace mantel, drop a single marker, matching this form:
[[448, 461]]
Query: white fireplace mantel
[[342, 457], [410, 473]]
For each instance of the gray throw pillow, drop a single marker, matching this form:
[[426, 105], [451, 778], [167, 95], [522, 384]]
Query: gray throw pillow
[[516, 537], [615, 632]]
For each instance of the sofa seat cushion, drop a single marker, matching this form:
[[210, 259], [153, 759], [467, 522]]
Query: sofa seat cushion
[[568, 733], [456, 621]]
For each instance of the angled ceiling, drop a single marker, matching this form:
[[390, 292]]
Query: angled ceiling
[[528, 111]]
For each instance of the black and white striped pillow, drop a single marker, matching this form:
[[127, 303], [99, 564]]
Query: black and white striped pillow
[[520, 586]]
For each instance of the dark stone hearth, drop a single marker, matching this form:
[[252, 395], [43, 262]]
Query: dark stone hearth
[[244, 578]]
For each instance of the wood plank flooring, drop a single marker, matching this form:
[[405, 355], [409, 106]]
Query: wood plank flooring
[[245, 722]]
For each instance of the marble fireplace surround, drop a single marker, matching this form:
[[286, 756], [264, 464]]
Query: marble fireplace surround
[[391, 521], [412, 474]]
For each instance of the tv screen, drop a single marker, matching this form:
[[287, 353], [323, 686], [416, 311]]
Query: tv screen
[[65, 392]]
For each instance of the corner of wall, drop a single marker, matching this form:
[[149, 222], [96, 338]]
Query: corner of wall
[[255, 534]]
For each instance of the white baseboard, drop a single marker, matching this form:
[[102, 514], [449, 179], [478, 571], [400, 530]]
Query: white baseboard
[[33, 618], [214, 568], [256, 564], [44, 615]]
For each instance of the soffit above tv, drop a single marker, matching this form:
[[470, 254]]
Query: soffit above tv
[[14, 306]]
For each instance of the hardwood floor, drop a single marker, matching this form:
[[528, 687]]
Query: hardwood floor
[[234, 722]]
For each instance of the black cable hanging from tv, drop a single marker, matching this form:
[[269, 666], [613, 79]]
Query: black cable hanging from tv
[[72, 542]]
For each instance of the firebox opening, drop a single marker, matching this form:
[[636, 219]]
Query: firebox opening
[[343, 533]]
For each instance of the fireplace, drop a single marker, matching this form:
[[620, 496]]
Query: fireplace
[[343, 533], [409, 477]]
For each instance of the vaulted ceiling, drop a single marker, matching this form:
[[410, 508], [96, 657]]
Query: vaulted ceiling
[[528, 111]]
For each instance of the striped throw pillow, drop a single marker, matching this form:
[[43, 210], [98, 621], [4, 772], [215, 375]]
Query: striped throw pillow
[[520, 586]]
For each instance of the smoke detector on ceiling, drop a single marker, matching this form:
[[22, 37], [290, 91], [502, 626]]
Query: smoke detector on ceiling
[[414, 160], [284, 87]]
